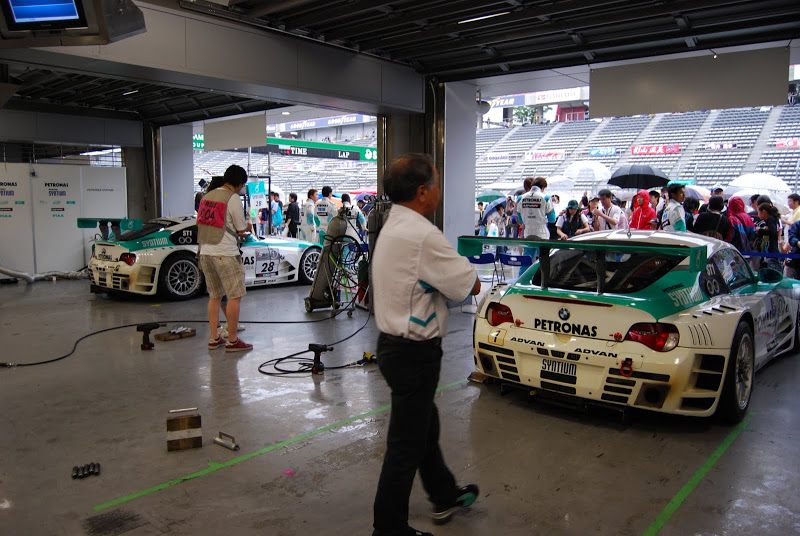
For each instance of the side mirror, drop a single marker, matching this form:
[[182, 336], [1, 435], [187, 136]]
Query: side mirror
[[768, 275]]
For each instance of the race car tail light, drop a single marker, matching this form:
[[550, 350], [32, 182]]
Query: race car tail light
[[497, 314], [656, 336], [128, 258]]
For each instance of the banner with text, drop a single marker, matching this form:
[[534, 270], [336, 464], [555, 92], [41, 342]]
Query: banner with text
[[555, 154], [603, 151], [321, 150], [642, 150], [787, 142]]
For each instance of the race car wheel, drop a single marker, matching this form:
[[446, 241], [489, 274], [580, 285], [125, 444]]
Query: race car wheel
[[308, 265], [739, 377], [180, 278]]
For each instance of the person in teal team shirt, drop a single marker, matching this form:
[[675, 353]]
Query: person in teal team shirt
[[674, 217]]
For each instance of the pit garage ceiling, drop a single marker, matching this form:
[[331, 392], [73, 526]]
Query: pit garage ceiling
[[447, 40]]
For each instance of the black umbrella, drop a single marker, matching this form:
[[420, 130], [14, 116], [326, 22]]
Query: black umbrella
[[639, 176]]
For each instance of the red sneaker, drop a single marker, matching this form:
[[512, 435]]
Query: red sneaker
[[216, 343], [238, 346]]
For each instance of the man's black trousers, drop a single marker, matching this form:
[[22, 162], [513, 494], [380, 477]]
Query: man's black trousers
[[411, 369]]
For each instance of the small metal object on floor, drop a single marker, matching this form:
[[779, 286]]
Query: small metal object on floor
[[176, 333], [184, 431], [86, 470], [227, 441]]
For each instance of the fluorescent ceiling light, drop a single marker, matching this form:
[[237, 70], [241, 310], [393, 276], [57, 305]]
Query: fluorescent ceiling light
[[131, 92], [102, 152], [286, 113], [484, 17]]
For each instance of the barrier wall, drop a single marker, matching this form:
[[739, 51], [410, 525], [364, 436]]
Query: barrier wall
[[39, 208]]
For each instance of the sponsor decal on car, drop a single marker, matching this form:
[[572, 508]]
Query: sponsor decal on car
[[497, 336], [155, 242], [559, 367], [595, 352], [564, 327], [526, 341]]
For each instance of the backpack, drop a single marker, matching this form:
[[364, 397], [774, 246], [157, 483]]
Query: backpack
[[739, 239]]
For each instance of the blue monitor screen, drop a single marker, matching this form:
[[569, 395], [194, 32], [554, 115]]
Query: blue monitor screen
[[43, 15], [43, 10]]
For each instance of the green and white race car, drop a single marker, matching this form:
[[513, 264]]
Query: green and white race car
[[668, 322], [160, 259]]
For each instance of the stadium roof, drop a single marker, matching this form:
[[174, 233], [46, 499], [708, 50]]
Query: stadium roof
[[444, 39], [465, 39]]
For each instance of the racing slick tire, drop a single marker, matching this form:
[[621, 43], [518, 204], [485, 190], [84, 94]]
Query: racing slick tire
[[739, 378], [308, 265], [180, 278]]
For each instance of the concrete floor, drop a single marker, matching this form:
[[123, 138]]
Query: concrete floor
[[542, 469]]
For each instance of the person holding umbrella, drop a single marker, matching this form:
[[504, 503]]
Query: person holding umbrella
[[642, 211]]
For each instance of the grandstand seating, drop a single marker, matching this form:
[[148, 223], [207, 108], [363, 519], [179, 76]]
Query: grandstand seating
[[500, 152]]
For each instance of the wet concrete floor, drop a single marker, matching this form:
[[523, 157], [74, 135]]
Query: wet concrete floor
[[311, 447]]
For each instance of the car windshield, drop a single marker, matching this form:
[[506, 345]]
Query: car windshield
[[625, 273], [148, 228]]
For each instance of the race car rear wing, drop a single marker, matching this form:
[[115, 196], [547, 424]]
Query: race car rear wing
[[473, 245], [118, 225]]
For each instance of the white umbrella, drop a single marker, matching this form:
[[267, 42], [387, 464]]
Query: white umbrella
[[588, 171], [778, 202], [764, 182], [559, 182]]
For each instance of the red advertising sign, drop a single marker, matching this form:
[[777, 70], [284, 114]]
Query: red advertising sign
[[655, 149], [788, 142]]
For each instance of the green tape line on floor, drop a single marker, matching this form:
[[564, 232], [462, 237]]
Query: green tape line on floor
[[215, 466], [697, 477]]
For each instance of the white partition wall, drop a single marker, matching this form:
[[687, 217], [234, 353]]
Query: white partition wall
[[57, 206], [39, 208], [16, 218]]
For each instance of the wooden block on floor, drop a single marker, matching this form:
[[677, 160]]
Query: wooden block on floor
[[169, 336], [184, 432]]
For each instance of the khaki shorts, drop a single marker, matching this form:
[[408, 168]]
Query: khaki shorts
[[224, 276]]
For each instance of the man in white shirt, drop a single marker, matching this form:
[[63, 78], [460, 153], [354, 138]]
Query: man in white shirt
[[608, 215], [308, 218], [325, 209], [532, 209], [415, 271]]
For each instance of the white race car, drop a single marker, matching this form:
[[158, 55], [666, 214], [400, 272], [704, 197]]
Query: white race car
[[160, 258], [668, 322]]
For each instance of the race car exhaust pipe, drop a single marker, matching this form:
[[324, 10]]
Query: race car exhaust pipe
[[652, 395]]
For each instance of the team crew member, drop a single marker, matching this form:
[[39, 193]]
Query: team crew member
[[674, 217], [308, 218], [608, 215], [414, 271], [533, 209], [325, 210], [293, 215], [220, 222]]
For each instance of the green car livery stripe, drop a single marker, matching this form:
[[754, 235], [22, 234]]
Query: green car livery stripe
[[679, 287]]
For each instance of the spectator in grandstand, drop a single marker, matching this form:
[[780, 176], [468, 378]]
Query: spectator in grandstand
[[325, 210], [277, 214], [753, 212], [642, 211], [654, 197], [533, 208], [794, 204], [792, 268], [607, 215], [692, 209], [480, 229], [674, 217], [769, 233], [593, 202], [293, 215], [308, 218], [573, 222], [712, 222], [743, 229], [495, 222], [263, 220]]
